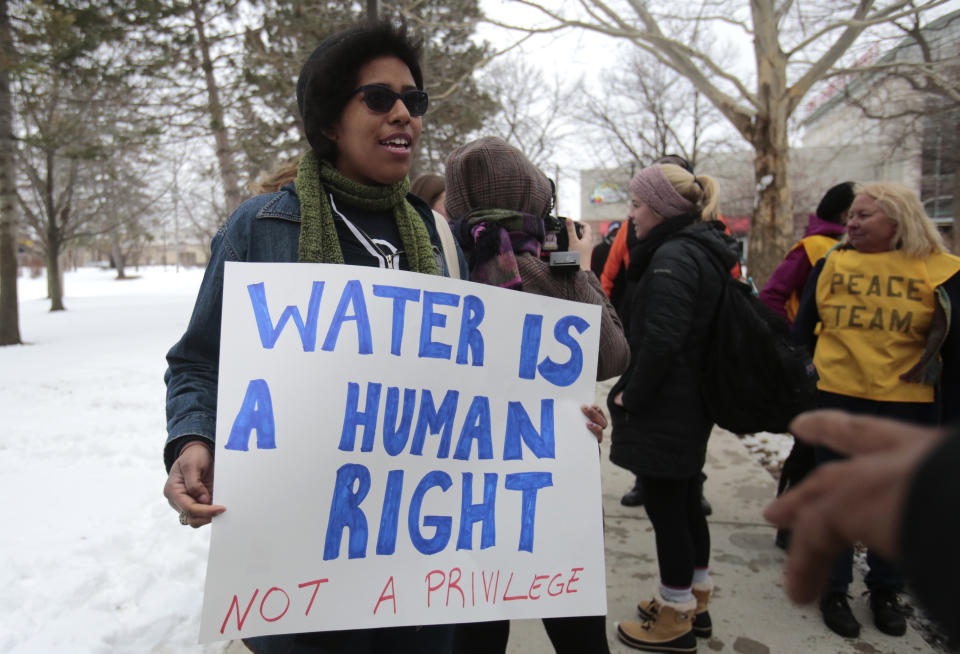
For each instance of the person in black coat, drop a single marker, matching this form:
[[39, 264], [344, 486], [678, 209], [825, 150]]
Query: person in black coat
[[660, 425]]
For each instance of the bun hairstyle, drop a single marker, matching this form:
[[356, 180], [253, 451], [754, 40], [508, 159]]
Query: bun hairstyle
[[329, 77], [701, 190], [916, 235]]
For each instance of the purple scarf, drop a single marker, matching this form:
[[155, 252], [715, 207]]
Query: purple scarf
[[491, 239]]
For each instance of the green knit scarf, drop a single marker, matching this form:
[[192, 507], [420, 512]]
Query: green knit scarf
[[318, 234]]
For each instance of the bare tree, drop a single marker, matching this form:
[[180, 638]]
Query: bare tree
[[533, 113], [196, 79], [232, 193], [794, 46], [647, 110]]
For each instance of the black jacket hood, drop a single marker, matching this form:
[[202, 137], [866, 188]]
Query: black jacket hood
[[712, 236]]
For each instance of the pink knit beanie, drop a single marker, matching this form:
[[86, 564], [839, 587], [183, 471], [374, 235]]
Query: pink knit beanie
[[652, 187]]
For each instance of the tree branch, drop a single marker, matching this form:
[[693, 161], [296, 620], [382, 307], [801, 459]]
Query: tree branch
[[796, 92], [885, 15]]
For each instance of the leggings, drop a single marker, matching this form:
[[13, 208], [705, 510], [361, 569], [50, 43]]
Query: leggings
[[575, 635], [682, 534]]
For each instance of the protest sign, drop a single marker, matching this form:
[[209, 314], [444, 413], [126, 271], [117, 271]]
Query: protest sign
[[400, 449]]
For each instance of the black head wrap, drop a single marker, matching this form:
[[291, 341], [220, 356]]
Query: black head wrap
[[328, 78], [836, 202]]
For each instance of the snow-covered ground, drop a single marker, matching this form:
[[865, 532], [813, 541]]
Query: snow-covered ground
[[770, 450], [92, 559], [91, 556]]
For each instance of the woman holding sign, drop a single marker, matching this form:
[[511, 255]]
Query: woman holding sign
[[660, 425], [501, 204], [361, 98], [887, 303]]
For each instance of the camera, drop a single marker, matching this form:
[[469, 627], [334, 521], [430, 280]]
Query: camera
[[556, 239], [556, 243]]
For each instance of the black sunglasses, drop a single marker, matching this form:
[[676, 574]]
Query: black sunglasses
[[382, 98]]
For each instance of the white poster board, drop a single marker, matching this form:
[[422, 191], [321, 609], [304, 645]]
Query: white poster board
[[400, 449]]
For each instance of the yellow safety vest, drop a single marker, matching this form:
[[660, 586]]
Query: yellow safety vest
[[815, 247], [875, 311]]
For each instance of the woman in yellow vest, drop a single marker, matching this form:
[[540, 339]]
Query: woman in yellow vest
[[887, 300]]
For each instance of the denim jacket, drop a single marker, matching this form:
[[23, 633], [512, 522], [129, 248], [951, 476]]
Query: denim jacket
[[266, 229]]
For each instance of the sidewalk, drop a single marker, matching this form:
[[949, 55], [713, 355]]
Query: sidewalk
[[750, 612]]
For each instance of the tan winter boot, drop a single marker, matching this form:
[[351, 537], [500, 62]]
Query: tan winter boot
[[669, 629], [648, 608], [702, 625]]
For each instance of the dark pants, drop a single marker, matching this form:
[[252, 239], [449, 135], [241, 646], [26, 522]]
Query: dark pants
[[679, 525], [431, 639], [574, 635], [882, 573], [637, 483]]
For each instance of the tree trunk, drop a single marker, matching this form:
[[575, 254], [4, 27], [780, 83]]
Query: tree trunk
[[116, 253], [54, 281], [9, 309], [54, 278], [771, 229], [228, 169]]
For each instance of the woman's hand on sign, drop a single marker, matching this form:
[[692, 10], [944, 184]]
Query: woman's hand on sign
[[189, 487], [597, 420]]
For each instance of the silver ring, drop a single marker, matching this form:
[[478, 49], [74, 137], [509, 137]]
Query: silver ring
[[183, 518]]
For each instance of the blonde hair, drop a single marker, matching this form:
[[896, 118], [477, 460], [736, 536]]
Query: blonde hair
[[916, 235], [701, 190], [272, 180]]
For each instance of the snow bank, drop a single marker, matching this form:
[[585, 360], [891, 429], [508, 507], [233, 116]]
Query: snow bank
[[94, 560]]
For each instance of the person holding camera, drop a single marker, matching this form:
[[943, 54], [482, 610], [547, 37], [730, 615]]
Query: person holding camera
[[660, 425], [501, 205]]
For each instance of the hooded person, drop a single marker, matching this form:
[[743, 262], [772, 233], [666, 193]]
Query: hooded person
[[361, 98], [499, 201]]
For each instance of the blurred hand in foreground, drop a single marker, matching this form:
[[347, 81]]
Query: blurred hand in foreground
[[856, 500]]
